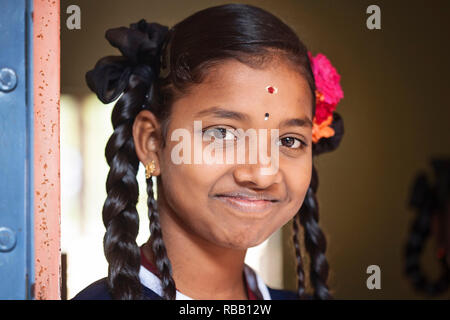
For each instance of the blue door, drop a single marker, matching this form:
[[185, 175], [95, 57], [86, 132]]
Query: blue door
[[16, 150]]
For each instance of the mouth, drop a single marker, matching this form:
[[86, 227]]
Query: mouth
[[248, 204]]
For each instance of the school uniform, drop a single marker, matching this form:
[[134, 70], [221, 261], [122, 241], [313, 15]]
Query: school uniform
[[152, 290]]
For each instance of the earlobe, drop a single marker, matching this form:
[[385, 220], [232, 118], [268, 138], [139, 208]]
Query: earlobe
[[145, 138]]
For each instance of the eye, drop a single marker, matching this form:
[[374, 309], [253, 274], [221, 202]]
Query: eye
[[219, 133], [293, 143]]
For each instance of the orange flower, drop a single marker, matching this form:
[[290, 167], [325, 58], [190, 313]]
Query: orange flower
[[322, 130]]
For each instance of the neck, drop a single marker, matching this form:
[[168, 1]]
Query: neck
[[200, 269]]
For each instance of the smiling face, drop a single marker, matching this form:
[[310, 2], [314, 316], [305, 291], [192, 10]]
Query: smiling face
[[236, 205]]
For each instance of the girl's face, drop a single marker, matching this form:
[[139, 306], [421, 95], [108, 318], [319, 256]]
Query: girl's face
[[216, 202]]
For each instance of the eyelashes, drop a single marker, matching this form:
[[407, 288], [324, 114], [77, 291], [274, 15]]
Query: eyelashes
[[228, 136], [219, 133], [292, 141]]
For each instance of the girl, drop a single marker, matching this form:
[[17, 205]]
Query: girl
[[228, 67]]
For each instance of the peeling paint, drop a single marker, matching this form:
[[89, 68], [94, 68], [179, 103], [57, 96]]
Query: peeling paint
[[46, 17]]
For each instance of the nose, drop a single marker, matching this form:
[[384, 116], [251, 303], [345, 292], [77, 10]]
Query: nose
[[253, 175], [263, 172]]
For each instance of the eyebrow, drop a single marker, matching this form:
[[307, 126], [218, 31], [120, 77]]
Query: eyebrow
[[235, 115], [297, 122], [223, 113]]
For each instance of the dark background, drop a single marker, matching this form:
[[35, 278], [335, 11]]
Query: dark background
[[395, 111]]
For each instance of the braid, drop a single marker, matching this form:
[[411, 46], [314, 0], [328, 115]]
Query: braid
[[120, 216], [315, 241], [133, 74], [300, 274], [159, 249], [428, 200], [308, 214]]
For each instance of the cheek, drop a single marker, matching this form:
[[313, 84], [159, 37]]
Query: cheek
[[297, 177], [298, 181], [186, 188], [295, 170]]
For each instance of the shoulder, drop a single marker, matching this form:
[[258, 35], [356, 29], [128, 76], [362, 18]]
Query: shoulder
[[279, 294], [97, 290]]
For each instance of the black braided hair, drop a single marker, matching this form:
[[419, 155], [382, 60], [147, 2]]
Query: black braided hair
[[299, 261], [131, 74], [428, 200], [159, 249], [315, 241], [119, 211]]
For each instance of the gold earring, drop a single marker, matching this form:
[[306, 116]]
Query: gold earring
[[149, 169]]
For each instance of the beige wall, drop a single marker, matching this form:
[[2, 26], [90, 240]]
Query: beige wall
[[396, 117]]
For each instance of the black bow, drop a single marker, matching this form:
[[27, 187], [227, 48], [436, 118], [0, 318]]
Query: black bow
[[140, 46]]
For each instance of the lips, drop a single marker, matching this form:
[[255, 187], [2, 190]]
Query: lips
[[249, 196], [248, 203]]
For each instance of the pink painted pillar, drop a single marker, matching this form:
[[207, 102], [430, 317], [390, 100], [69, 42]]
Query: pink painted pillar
[[47, 234]]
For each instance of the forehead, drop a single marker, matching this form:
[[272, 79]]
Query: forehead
[[239, 87]]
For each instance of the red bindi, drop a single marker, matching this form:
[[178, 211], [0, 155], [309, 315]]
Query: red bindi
[[271, 89]]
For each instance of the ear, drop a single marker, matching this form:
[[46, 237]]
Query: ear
[[147, 138]]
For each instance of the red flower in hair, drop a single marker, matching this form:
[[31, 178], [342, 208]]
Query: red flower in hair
[[328, 92]]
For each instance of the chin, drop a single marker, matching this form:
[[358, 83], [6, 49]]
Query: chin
[[243, 240]]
